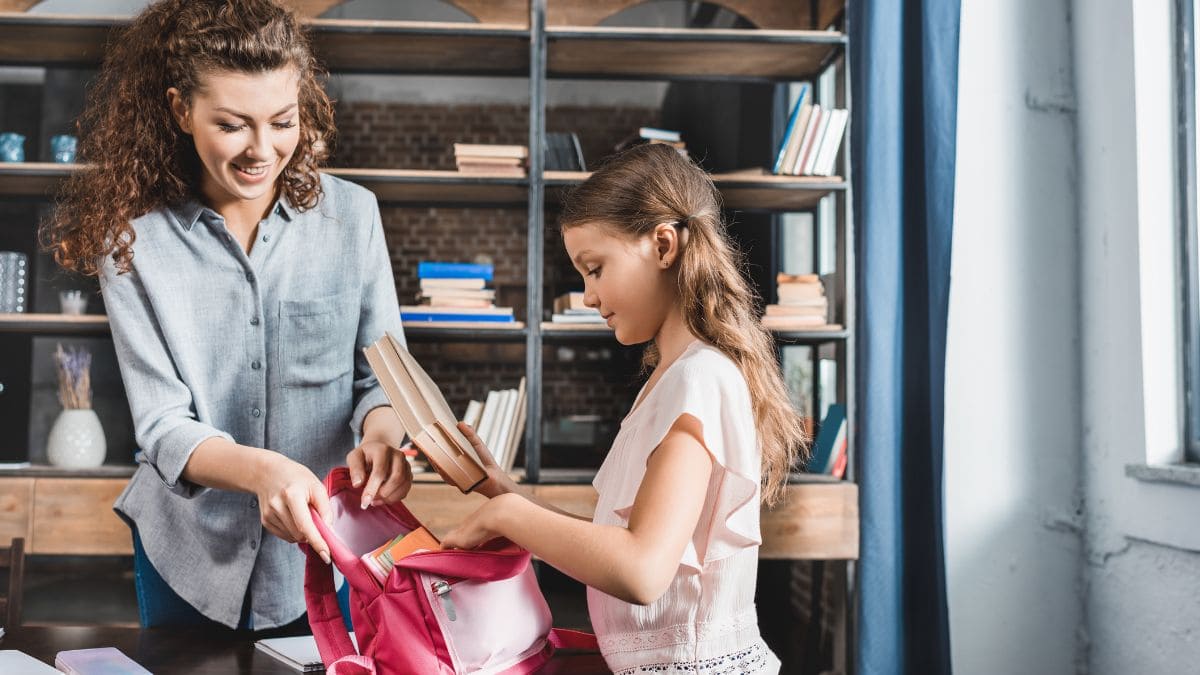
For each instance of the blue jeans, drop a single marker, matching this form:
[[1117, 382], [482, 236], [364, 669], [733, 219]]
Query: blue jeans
[[160, 605]]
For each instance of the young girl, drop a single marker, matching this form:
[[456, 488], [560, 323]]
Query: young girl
[[241, 285], [670, 557]]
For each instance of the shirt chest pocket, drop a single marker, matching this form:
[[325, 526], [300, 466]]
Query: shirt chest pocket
[[316, 339]]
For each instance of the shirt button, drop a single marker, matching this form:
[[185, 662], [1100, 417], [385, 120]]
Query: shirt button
[[256, 412], [254, 321], [266, 237], [256, 365], [250, 277], [253, 544]]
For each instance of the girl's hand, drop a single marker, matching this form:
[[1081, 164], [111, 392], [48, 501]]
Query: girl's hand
[[483, 525], [498, 481], [286, 489], [385, 471]]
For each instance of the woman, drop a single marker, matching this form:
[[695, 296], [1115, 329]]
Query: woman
[[241, 285]]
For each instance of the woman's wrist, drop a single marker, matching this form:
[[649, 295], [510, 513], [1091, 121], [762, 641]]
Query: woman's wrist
[[381, 424]]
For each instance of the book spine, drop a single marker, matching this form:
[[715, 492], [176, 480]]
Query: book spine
[[425, 316], [791, 129], [656, 134], [488, 419], [810, 161], [448, 270]]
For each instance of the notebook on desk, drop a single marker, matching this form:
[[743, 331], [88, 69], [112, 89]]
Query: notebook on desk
[[99, 661], [424, 413], [16, 661], [298, 652]]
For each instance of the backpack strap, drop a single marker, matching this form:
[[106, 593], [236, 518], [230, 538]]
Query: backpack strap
[[564, 638], [325, 618]]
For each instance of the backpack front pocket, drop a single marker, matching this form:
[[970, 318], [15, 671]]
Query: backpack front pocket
[[488, 626]]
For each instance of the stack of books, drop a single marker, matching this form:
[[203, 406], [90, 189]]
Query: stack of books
[[454, 291], [812, 138], [493, 160], [802, 303], [499, 421], [381, 561], [569, 308], [655, 135]]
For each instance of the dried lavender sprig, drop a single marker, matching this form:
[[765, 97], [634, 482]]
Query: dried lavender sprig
[[74, 377]]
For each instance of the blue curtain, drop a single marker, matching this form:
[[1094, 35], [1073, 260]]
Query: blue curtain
[[904, 71]]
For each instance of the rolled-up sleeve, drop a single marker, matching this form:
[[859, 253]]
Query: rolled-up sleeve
[[164, 416], [379, 314]]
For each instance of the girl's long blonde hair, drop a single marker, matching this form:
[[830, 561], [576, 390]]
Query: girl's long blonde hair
[[652, 184], [137, 158]]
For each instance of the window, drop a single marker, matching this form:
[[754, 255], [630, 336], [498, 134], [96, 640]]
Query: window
[[1189, 283]]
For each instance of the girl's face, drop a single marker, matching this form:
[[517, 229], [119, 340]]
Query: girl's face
[[629, 280], [246, 128]]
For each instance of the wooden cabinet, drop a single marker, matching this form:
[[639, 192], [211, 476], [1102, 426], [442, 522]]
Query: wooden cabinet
[[58, 514]]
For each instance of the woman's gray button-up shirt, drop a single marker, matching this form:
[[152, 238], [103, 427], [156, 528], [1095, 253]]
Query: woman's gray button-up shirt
[[263, 349]]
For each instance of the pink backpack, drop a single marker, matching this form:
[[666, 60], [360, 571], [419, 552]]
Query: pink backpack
[[451, 612]]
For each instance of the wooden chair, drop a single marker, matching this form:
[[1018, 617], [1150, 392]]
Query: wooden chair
[[13, 558]]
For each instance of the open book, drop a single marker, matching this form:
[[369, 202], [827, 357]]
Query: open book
[[424, 413]]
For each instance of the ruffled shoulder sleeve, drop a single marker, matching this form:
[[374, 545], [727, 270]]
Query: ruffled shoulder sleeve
[[711, 388]]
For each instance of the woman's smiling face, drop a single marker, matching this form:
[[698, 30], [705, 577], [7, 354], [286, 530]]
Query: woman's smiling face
[[245, 126]]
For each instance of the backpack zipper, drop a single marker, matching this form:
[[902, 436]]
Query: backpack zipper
[[441, 589]]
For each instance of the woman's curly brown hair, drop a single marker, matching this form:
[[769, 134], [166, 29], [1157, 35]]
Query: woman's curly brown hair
[[135, 155]]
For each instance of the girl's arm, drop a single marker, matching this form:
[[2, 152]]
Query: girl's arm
[[634, 563]]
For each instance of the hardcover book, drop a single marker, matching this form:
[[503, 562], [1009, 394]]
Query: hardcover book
[[424, 413]]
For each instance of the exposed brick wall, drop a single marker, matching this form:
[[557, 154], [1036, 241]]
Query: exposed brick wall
[[578, 378]]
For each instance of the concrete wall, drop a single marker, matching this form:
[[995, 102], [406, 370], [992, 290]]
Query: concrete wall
[[1142, 563], [1012, 391]]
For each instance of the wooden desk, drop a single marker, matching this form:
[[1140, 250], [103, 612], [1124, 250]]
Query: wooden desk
[[193, 652]]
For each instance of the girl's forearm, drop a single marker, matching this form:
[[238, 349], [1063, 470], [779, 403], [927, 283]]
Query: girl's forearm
[[605, 557]]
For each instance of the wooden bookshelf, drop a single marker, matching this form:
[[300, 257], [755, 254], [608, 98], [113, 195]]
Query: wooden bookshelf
[[462, 331], [818, 520], [743, 191], [54, 324], [689, 53], [439, 188], [352, 46], [97, 324]]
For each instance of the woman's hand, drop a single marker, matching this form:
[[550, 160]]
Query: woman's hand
[[498, 481], [485, 524], [286, 489], [383, 469]]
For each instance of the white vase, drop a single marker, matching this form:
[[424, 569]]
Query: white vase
[[76, 440]]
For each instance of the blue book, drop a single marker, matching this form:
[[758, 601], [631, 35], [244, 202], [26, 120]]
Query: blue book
[[827, 440], [451, 270], [441, 316], [791, 127]]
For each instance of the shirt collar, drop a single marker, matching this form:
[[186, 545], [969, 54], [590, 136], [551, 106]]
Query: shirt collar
[[190, 211]]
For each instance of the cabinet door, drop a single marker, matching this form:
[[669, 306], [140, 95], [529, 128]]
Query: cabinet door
[[74, 516], [16, 501]]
